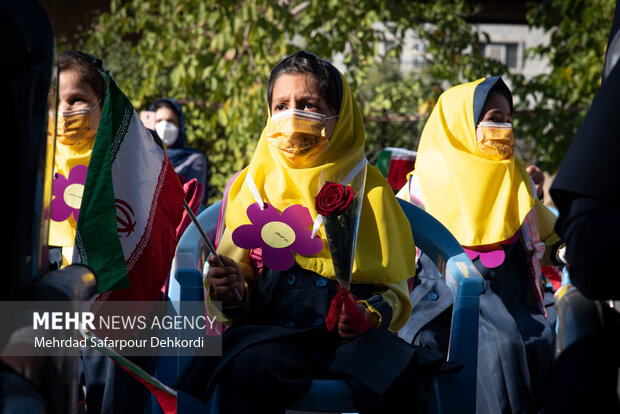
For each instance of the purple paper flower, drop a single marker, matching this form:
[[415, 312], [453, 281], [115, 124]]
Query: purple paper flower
[[278, 235], [490, 260], [494, 258], [68, 193]]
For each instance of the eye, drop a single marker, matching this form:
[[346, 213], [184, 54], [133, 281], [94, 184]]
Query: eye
[[77, 100], [279, 107]]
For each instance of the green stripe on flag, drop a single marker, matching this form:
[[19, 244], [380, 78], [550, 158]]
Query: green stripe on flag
[[97, 240]]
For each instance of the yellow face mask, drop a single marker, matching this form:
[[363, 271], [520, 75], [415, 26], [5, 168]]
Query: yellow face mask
[[299, 135], [495, 140], [75, 127]]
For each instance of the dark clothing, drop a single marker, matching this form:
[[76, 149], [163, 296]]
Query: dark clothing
[[591, 228], [272, 353], [591, 168], [111, 389], [515, 341], [586, 192], [585, 374], [188, 162]]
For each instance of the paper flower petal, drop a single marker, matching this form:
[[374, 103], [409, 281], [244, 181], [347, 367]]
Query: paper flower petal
[[60, 210], [77, 175], [279, 236], [306, 245], [247, 237], [259, 216], [278, 259], [61, 207], [493, 258], [297, 216]]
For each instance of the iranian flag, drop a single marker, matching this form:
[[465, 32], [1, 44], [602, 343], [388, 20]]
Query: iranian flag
[[131, 206]]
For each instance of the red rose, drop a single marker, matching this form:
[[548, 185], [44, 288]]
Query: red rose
[[333, 199]]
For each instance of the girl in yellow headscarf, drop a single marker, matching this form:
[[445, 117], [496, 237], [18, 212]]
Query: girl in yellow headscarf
[[81, 87], [466, 176], [277, 338]]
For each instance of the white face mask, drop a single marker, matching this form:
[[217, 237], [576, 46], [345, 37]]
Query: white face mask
[[168, 132]]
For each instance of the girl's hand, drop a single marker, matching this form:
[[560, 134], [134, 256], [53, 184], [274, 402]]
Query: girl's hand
[[224, 280], [346, 329]]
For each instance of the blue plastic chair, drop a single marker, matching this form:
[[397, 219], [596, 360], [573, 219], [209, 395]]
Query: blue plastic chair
[[454, 392]]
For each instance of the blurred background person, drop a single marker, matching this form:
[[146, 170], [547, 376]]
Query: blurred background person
[[538, 177], [169, 123]]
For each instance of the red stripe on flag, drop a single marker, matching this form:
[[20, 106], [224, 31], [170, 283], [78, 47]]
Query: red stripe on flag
[[167, 402], [151, 265]]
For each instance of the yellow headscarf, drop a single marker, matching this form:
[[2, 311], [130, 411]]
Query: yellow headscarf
[[385, 249], [480, 201], [66, 157]]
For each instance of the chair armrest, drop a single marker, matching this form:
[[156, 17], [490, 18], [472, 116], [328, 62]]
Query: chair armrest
[[192, 251], [467, 283], [190, 283]]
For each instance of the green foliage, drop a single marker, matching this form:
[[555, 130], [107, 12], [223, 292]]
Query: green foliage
[[215, 58], [579, 31]]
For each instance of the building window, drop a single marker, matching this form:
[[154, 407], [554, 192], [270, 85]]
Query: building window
[[511, 55], [506, 53]]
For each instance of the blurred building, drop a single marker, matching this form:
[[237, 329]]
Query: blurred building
[[504, 36]]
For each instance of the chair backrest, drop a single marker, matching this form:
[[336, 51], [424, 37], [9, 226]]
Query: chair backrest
[[455, 393], [185, 285], [190, 257]]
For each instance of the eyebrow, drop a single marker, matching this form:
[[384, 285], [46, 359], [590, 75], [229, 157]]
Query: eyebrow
[[498, 111], [306, 97], [74, 91]]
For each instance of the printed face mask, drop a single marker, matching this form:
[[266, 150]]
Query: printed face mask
[[168, 132], [299, 135], [75, 127], [495, 140]]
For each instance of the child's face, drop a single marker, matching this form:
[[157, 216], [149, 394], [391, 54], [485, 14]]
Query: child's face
[[74, 94], [299, 91], [496, 109], [494, 137]]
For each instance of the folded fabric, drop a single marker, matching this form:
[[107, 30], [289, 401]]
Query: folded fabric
[[193, 195]]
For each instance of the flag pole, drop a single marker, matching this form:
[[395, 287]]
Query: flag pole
[[209, 244]]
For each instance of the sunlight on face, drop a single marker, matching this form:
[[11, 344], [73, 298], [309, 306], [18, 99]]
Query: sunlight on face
[[167, 114], [299, 91], [74, 95], [496, 109]]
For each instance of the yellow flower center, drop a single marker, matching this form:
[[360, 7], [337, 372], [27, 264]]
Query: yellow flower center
[[73, 195], [277, 234]]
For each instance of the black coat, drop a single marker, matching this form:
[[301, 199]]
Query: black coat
[[289, 308]]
